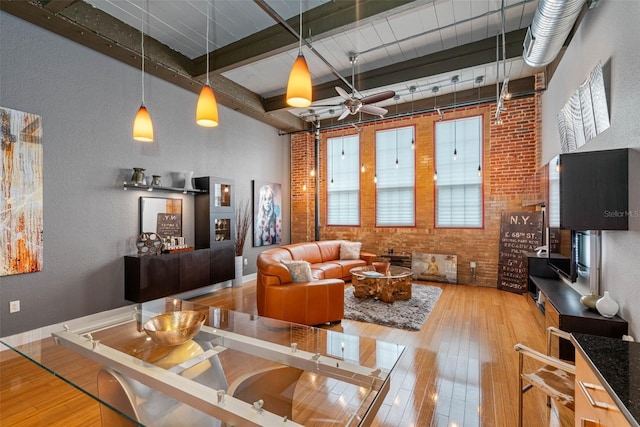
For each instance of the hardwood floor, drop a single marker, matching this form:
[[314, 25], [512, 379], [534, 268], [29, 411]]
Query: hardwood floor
[[460, 369]]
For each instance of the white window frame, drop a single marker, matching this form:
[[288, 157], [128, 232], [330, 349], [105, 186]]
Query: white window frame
[[395, 183], [343, 180], [459, 195]]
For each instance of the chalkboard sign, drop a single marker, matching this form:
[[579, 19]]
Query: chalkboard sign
[[169, 224], [520, 232]]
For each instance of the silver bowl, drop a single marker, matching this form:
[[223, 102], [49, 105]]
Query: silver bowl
[[174, 328]]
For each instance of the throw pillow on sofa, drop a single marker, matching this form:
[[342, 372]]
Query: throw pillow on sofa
[[300, 270], [350, 250]]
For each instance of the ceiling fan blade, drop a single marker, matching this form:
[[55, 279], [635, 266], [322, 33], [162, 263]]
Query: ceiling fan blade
[[344, 114], [377, 97], [343, 93], [373, 110]]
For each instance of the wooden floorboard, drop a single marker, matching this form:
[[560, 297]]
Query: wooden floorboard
[[460, 369]]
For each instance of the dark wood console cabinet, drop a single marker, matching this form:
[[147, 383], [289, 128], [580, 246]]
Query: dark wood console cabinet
[[563, 309], [148, 277]]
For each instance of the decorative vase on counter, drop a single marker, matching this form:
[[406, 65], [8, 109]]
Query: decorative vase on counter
[[590, 300], [239, 267], [607, 306], [138, 176], [188, 183]]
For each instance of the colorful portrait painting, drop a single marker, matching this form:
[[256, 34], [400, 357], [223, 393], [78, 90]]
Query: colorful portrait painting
[[267, 214], [21, 187]]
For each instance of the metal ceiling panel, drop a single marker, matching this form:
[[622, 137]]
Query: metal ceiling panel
[[430, 43], [449, 37], [408, 31], [463, 33], [428, 17], [462, 10], [480, 28], [182, 24], [444, 13]]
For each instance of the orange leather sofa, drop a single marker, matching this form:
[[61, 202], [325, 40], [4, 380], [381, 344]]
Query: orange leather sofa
[[310, 303]]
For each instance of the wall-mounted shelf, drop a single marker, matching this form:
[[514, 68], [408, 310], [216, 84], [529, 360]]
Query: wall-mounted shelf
[[143, 187]]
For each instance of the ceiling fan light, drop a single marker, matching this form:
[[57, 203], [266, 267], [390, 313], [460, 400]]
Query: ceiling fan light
[[299, 85], [207, 108], [142, 126]]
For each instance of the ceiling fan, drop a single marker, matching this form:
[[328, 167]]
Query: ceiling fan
[[354, 105]]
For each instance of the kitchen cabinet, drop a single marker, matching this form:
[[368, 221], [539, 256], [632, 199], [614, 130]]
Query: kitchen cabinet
[[597, 404]]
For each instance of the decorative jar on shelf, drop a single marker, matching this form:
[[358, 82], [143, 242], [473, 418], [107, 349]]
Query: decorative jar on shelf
[[138, 176], [188, 183], [607, 306], [590, 300], [156, 181]]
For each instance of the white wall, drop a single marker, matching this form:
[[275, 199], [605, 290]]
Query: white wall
[[609, 34], [87, 102]]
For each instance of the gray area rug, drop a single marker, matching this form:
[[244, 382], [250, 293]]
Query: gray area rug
[[409, 314]]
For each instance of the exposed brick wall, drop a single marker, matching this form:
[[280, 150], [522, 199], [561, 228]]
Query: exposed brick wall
[[510, 166]]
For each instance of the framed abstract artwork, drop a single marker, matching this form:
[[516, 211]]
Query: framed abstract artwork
[[267, 213], [21, 185]]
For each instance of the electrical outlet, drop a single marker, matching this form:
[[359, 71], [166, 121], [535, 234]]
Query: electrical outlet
[[472, 264], [246, 261], [14, 306]]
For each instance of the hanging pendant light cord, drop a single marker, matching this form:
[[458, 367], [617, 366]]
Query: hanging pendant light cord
[[504, 48], [207, 81], [142, 54], [479, 133], [300, 38], [396, 147], [455, 119]]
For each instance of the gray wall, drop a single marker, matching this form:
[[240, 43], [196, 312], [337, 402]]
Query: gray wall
[[87, 102], [608, 34]]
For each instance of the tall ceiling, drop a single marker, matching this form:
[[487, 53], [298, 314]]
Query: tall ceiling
[[406, 46]]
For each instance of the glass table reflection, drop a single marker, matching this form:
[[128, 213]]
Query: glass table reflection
[[240, 369]]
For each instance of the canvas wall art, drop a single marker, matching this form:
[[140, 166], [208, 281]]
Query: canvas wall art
[[435, 267], [21, 184], [267, 213], [586, 113]]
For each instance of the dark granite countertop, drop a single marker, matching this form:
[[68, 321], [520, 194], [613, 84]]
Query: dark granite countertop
[[617, 364]]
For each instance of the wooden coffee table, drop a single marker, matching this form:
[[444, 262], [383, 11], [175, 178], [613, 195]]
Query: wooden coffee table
[[368, 283]]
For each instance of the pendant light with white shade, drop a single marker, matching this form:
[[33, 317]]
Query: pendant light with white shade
[[142, 125], [207, 108], [299, 85]]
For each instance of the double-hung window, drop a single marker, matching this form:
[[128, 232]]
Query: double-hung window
[[458, 153], [395, 177], [343, 188]]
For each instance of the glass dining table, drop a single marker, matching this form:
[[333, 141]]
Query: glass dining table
[[239, 369]]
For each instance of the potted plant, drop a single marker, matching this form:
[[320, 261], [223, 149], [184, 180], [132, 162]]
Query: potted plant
[[243, 223]]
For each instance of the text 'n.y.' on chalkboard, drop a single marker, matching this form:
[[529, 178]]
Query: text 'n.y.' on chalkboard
[[520, 232]]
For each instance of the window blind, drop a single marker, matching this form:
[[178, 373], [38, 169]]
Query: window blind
[[458, 187], [343, 188], [395, 188]]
